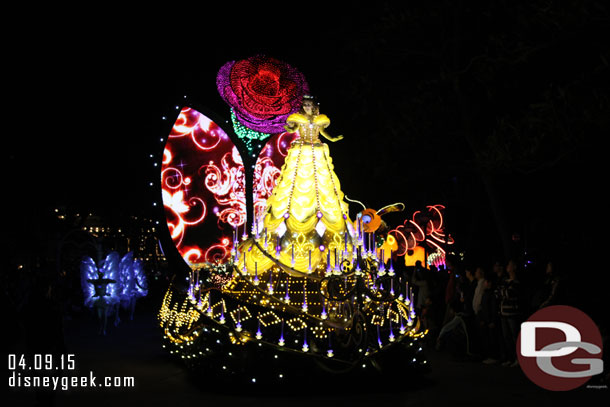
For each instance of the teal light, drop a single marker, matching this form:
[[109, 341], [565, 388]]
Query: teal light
[[245, 134]]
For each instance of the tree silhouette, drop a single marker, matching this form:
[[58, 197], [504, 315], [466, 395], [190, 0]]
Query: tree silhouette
[[486, 90]]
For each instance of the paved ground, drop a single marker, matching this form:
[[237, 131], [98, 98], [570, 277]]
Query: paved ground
[[133, 349]]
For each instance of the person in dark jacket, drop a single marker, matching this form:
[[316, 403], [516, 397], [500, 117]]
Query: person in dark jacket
[[488, 319], [468, 284], [552, 291], [451, 289], [511, 312]]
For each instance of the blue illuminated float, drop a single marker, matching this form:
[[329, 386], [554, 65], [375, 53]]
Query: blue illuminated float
[[117, 282]]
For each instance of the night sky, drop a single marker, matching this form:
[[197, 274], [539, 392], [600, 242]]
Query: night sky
[[531, 95]]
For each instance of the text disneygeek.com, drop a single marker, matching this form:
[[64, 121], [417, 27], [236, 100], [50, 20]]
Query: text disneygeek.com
[[33, 371]]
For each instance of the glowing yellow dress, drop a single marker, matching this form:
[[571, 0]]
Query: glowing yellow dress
[[306, 228]]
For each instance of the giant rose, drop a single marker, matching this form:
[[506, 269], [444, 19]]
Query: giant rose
[[262, 91]]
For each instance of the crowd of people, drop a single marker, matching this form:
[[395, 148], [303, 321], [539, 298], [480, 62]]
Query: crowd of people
[[475, 312]]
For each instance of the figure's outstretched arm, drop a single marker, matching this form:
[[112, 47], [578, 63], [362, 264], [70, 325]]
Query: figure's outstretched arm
[[291, 127], [329, 137]]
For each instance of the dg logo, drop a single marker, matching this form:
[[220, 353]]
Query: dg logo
[[560, 348]]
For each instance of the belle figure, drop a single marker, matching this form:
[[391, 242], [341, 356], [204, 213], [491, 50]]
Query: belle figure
[[305, 230]]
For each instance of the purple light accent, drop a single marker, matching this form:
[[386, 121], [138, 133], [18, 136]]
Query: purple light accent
[[322, 248], [286, 215], [319, 215]]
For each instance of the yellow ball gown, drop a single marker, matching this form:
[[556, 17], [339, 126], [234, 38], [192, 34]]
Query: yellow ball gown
[[306, 217], [305, 232]]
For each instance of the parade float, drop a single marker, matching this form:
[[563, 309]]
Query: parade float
[[281, 275], [112, 284]]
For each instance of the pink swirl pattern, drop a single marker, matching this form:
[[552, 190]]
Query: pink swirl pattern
[[203, 186]]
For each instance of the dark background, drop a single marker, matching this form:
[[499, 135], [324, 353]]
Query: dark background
[[494, 109]]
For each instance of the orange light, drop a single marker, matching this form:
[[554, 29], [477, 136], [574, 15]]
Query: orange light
[[374, 220], [415, 254]]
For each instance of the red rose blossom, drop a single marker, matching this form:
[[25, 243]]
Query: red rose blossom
[[262, 91]]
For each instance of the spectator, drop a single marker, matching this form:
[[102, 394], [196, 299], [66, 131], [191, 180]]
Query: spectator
[[511, 312], [552, 290], [451, 290], [467, 287], [488, 319], [498, 271], [454, 334], [479, 276]]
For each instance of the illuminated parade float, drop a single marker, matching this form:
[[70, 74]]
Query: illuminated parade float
[[280, 273], [116, 283]]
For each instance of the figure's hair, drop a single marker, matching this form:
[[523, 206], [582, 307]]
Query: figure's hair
[[316, 104]]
